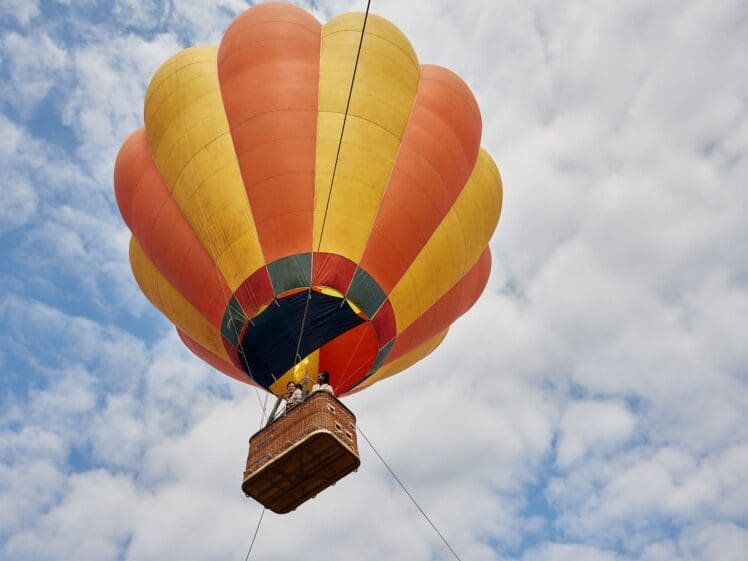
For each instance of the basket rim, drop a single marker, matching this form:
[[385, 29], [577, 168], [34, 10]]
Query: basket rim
[[300, 407]]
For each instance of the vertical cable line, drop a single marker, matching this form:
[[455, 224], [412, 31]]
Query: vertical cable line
[[342, 130], [297, 357], [257, 529]]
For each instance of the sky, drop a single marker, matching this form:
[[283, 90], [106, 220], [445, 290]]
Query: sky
[[592, 406]]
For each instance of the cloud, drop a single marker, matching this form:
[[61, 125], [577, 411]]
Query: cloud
[[19, 204], [111, 74], [59, 223], [23, 11], [569, 552], [96, 415], [591, 406], [142, 16], [31, 476], [715, 541], [94, 513], [70, 342], [592, 426], [204, 21], [34, 64]]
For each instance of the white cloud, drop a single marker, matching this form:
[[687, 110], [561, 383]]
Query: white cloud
[[141, 15], [23, 11], [670, 483], [91, 523], [71, 342], [19, 204], [111, 74], [592, 426], [205, 20], [726, 542], [34, 63], [569, 552], [29, 487], [64, 220], [733, 479]]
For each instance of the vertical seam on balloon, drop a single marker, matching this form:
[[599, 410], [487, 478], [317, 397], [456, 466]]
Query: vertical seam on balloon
[[342, 128], [356, 371], [201, 207], [444, 217], [387, 184], [150, 233], [233, 139], [335, 165], [344, 377], [471, 270], [316, 143], [441, 223], [166, 306], [202, 227]]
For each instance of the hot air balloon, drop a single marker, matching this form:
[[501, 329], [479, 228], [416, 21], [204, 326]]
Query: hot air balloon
[[289, 217]]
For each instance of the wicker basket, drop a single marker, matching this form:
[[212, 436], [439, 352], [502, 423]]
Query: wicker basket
[[304, 451]]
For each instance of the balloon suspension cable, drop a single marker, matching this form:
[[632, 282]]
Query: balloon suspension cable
[[297, 357], [264, 406], [342, 130], [402, 485], [257, 529]]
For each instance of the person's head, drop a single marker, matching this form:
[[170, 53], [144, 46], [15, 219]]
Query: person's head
[[323, 377], [291, 387]]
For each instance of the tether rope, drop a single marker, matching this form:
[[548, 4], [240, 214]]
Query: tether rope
[[332, 181], [402, 485], [257, 529], [342, 130]]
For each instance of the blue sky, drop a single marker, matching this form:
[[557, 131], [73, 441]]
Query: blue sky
[[592, 406]]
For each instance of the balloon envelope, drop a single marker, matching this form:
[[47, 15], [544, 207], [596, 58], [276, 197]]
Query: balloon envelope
[[282, 234]]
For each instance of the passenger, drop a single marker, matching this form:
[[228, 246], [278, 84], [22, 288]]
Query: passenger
[[293, 395], [323, 383]]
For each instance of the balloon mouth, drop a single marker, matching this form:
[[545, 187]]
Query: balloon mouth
[[292, 328], [278, 329]]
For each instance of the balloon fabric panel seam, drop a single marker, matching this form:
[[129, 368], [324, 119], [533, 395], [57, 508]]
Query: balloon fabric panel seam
[[368, 33]]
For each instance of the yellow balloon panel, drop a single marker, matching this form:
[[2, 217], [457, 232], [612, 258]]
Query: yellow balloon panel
[[454, 247], [385, 88], [307, 370], [189, 136], [172, 304]]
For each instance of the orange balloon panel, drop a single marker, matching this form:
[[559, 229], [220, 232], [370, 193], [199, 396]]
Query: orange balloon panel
[[268, 67], [349, 355]]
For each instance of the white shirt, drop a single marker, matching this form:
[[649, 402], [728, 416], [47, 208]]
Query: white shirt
[[323, 387], [295, 397]]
